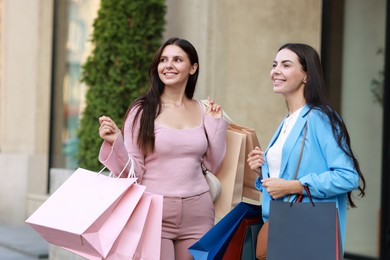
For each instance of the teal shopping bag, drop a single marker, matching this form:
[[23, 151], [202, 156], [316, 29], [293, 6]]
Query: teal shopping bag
[[250, 241], [213, 244]]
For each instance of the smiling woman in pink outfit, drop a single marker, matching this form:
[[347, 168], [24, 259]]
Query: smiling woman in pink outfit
[[169, 135]]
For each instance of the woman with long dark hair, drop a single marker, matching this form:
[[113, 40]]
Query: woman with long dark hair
[[169, 135], [328, 167]]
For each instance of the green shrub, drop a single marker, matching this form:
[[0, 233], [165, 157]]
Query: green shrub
[[126, 35]]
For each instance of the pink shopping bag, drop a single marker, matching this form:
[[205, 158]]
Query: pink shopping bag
[[87, 212], [141, 237], [150, 245]]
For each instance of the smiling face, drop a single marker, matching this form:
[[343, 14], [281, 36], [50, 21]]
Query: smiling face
[[287, 75], [175, 67]]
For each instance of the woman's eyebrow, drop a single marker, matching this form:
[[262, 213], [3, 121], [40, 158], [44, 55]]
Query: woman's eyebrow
[[174, 56], [283, 61]]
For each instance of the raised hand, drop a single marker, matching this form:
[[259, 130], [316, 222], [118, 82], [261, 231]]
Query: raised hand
[[108, 130], [213, 109]]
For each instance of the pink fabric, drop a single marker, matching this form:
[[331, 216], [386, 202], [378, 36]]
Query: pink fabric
[[185, 220], [174, 169]]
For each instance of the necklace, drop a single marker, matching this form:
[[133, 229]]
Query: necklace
[[286, 122], [171, 102]]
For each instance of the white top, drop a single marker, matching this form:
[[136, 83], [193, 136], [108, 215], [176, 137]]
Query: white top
[[274, 154]]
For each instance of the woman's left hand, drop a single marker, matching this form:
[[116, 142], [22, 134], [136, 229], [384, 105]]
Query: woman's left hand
[[213, 109], [278, 188]]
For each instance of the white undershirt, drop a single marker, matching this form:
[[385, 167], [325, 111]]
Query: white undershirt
[[274, 154]]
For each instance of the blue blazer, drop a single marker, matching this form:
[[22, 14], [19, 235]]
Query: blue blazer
[[325, 168]]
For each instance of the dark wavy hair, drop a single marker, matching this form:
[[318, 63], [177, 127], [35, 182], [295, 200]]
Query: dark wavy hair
[[314, 94], [149, 105]]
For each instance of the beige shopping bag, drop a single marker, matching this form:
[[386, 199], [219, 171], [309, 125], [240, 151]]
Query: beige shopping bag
[[231, 173], [249, 189]]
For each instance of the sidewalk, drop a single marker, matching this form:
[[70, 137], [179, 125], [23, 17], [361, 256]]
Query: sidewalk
[[21, 243]]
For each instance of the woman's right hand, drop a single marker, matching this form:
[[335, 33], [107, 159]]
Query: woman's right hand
[[256, 159], [108, 130]]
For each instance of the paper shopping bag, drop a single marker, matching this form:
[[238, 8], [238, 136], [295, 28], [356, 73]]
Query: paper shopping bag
[[87, 212], [236, 245], [149, 247], [303, 231], [249, 189], [141, 237], [250, 241], [127, 242], [213, 244], [231, 174]]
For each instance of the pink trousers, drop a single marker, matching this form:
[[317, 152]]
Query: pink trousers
[[185, 221]]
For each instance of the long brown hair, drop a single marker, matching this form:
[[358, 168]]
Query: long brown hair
[[314, 94], [149, 105]]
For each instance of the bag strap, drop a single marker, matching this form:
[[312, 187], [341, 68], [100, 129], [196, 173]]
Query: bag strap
[[299, 197], [224, 114], [300, 158], [131, 173], [301, 152], [204, 169]]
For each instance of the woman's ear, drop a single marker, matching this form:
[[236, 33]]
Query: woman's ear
[[193, 69]]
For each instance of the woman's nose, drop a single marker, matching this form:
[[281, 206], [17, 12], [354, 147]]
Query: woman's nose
[[276, 71], [168, 65]]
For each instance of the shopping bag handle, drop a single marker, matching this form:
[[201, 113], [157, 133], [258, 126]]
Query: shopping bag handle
[[298, 198], [224, 114], [131, 171]]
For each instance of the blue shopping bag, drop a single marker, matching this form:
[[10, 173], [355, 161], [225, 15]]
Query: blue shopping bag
[[213, 244]]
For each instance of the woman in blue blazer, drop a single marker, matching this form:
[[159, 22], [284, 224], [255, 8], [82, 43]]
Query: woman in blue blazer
[[328, 166]]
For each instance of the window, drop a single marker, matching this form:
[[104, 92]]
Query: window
[[73, 27]]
